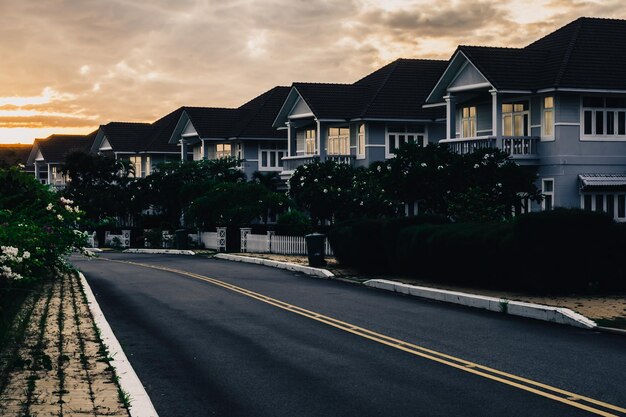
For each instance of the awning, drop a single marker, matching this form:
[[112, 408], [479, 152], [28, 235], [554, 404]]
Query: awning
[[602, 182]]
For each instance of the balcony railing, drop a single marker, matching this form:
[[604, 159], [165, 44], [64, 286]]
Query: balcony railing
[[515, 146], [290, 163]]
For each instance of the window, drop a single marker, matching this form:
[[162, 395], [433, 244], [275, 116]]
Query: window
[[548, 117], [147, 169], [468, 122], [271, 157], [135, 163], [515, 118], [604, 116], [613, 204], [57, 176], [397, 135], [222, 150], [547, 187], [197, 152], [310, 143], [360, 142], [338, 141]]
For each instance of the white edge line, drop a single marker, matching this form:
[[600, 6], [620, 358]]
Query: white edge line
[[141, 405], [317, 272], [162, 251]]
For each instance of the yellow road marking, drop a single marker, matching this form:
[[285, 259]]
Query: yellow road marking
[[566, 397]]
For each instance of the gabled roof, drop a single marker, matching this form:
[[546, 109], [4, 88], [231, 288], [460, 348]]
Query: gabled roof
[[395, 91], [55, 148], [212, 122], [161, 132], [588, 53], [127, 136]]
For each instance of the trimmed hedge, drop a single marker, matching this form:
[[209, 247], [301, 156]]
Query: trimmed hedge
[[564, 250]]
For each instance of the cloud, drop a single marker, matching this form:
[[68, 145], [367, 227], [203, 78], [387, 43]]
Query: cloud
[[89, 61]]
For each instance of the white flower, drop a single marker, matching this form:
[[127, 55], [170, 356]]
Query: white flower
[[388, 167], [325, 190], [26, 254], [440, 167], [476, 166], [378, 168], [423, 165], [315, 180], [338, 188], [69, 208], [66, 200], [499, 185], [49, 207], [361, 203], [59, 217], [77, 209]]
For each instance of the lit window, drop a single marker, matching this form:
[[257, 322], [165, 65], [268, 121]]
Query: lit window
[[515, 119], [548, 116], [360, 142], [338, 141], [222, 150], [468, 122], [310, 142], [135, 163]]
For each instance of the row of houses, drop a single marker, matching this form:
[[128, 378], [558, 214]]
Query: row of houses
[[558, 104]]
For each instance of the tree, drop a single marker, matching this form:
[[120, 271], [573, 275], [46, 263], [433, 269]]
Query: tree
[[99, 185]]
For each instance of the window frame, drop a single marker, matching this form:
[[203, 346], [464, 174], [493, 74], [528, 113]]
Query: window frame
[[408, 131], [360, 141], [594, 110], [336, 143], [471, 120], [222, 154], [615, 196], [545, 193], [310, 142], [524, 114], [270, 149], [545, 110]]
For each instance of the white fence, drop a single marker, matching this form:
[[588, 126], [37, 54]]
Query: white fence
[[268, 243]]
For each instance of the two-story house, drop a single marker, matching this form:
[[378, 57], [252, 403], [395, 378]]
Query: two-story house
[[47, 156], [245, 133], [558, 104], [362, 122]]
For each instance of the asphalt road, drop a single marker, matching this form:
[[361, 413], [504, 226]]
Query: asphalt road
[[205, 348]]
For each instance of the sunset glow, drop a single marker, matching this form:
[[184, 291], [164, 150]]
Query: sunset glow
[[82, 64]]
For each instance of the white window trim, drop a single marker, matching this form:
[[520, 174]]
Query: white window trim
[[512, 115], [388, 154], [365, 135], [339, 139], [598, 138], [615, 195], [222, 154], [550, 193], [544, 137], [276, 151], [469, 119]]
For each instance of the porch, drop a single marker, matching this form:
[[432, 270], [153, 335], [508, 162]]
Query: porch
[[517, 147]]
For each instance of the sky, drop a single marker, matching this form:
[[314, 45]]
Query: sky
[[67, 66]]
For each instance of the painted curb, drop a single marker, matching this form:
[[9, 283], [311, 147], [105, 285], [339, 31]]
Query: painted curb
[[161, 251], [514, 308], [141, 405], [316, 272]]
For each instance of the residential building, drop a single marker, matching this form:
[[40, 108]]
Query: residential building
[[47, 156], [245, 133], [362, 122], [558, 104]]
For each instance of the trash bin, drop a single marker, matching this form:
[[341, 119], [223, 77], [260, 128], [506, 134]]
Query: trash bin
[[315, 249], [181, 239]]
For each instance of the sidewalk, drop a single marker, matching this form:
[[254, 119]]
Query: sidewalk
[[57, 365], [608, 310]]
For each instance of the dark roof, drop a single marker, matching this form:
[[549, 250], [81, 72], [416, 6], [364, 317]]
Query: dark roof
[[14, 154], [127, 136], [55, 148], [395, 91], [586, 53], [161, 132], [256, 116], [212, 122]]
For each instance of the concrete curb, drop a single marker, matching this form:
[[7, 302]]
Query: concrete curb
[[161, 251], [141, 405], [515, 308], [316, 272]]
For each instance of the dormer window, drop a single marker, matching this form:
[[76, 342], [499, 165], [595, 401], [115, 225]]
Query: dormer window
[[515, 118]]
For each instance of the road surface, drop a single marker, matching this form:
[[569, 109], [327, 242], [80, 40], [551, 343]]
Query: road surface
[[216, 338]]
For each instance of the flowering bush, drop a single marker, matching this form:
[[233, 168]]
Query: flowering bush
[[37, 228]]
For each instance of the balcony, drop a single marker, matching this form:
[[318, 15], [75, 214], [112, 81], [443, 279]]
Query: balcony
[[518, 147]]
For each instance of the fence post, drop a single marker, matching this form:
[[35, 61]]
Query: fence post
[[221, 239], [126, 238], [270, 235], [244, 231]]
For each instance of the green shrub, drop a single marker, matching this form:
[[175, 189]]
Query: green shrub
[[293, 223]]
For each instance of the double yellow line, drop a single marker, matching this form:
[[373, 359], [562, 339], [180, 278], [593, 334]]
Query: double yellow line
[[579, 401]]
